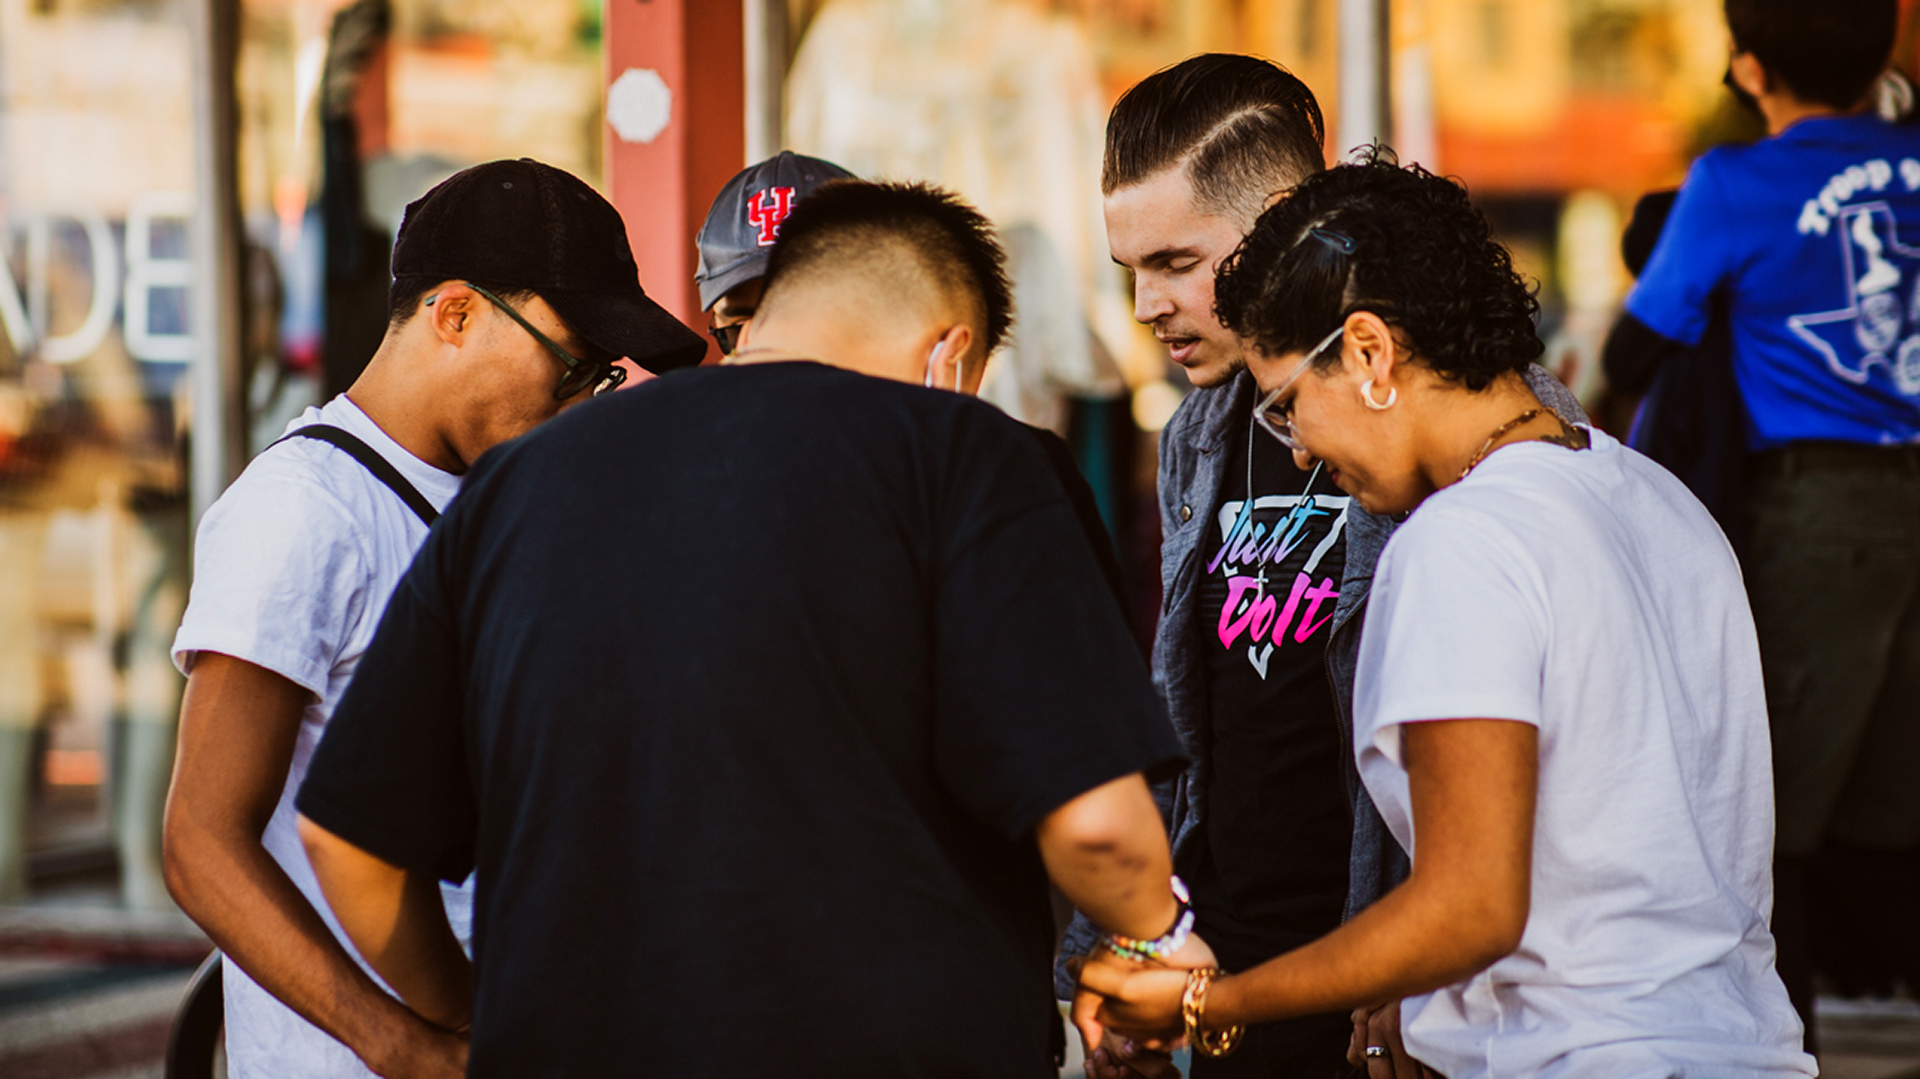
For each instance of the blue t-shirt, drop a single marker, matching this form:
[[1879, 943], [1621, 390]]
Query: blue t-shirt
[[1814, 235]]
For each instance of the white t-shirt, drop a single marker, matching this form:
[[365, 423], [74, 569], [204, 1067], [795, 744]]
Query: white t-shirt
[[292, 568], [1589, 594]]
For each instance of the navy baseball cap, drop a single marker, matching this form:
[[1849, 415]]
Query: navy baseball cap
[[737, 239], [532, 226]]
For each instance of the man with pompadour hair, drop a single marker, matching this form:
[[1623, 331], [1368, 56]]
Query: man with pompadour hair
[[1194, 153], [1809, 242], [1260, 823], [1264, 566], [753, 694]]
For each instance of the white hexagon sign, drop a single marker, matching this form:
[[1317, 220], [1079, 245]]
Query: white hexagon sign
[[639, 104]]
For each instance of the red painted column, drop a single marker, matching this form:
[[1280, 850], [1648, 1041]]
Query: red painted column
[[663, 185]]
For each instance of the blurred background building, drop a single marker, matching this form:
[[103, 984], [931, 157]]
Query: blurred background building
[[198, 198]]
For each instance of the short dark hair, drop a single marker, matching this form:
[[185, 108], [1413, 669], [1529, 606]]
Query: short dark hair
[[405, 294], [846, 221], [1828, 52], [1400, 242], [1245, 127]]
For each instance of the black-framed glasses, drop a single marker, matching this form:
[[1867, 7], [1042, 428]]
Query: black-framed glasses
[[1278, 420], [727, 337], [602, 375]]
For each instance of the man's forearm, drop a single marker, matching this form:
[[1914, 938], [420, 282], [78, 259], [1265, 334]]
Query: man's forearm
[[1410, 942], [239, 723], [1107, 851], [1473, 784], [396, 919], [234, 890]]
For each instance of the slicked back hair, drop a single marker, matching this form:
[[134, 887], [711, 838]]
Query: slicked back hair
[[1827, 51], [1244, 127], [844, 223]]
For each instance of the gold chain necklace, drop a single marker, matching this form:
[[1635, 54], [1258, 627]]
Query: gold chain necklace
[[1572, 438]]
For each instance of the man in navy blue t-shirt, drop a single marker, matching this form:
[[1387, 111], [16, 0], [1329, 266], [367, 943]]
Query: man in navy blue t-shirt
[[1811, 238]]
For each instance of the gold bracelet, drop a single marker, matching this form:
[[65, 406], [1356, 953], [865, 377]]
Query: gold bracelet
[[1193, 1005]]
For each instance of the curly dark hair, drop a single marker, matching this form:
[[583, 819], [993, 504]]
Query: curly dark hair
[[1400, 242]]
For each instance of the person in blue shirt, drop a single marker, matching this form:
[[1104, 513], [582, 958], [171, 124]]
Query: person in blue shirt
[[1810, 239]]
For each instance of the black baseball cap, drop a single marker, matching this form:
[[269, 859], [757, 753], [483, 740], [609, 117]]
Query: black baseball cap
[[737, 239], [532, 226]]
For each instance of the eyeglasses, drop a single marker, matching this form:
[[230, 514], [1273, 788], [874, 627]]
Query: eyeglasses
[[728, 336], [602, 375], [1278, 420]]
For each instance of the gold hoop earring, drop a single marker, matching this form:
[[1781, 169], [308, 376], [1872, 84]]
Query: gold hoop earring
[[1366, 394]]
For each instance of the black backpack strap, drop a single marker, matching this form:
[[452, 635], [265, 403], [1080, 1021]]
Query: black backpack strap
[[381, 468]]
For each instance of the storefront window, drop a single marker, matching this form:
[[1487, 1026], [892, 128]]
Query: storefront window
[[348, 111], [96, 182]]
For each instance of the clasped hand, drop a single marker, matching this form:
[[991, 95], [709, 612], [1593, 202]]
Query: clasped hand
[[1124, 1002]]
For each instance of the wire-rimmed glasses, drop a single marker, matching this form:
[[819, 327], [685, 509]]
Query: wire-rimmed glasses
[[1277, 420]]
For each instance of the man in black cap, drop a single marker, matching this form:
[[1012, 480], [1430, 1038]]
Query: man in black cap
[[514, 294], [736, 241]]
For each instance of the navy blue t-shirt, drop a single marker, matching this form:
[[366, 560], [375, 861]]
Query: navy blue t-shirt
[[1813, 238], [743, 691]]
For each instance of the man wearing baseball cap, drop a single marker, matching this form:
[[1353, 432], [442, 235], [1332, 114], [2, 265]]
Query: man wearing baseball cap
[[736, 241], [514, 294]]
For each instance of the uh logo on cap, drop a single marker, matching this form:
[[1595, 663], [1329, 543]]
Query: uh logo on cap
[[766, 210]]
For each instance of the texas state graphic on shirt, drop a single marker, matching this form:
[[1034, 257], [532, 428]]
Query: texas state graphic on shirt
[[1880, 323]]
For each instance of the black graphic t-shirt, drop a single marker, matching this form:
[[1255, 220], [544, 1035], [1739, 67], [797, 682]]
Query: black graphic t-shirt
[[1271, 872]]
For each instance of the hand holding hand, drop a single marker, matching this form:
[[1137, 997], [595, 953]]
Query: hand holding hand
[[1137, 1000]]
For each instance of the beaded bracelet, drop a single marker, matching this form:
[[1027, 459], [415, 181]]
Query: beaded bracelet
[[1143, 951], [1193, 1005]]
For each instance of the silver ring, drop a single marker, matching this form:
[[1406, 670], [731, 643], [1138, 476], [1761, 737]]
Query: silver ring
[[1375, 1052]]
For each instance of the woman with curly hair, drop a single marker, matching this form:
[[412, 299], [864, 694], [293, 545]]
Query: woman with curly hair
[[1559, 688]]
